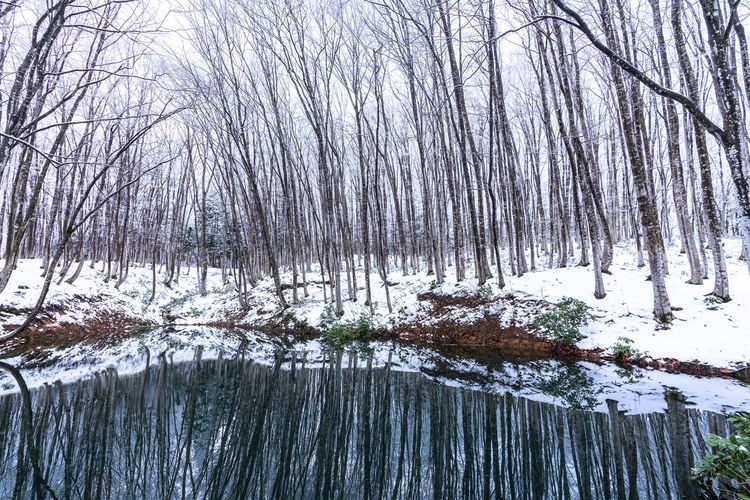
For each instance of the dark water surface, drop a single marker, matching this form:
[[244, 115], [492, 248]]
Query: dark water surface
[[236, 429]]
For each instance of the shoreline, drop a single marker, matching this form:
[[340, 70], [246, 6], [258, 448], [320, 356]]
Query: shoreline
[[38, 346], [704, 339]]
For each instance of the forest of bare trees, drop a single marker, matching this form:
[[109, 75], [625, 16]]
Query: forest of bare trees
[[471, 138]]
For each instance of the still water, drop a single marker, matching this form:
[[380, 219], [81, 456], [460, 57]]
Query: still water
[[237, 429]]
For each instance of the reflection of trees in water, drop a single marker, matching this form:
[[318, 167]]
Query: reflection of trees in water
[[27, 452], [233, 429], [571, 384]]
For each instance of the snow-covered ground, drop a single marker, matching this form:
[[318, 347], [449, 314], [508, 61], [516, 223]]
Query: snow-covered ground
[[717, 334], [132, 299]]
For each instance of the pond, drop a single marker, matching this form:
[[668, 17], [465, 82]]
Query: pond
[[234, 428]]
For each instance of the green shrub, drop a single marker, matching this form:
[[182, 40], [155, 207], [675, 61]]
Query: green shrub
[[178, 302], [485, 291], [141, 328], [399, 316], [341, 334], [713, 302], [328, 317], [562, 323], [730, 460], [623, 349]]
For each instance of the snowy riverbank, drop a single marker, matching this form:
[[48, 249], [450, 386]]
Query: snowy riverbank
[[715, 334], [581, 385]]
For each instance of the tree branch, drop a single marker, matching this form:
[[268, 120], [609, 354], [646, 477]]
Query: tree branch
[[690, 106]]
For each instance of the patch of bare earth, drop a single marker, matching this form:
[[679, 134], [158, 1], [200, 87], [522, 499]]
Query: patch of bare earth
[[444, 324], [41, 343], [672, 365]]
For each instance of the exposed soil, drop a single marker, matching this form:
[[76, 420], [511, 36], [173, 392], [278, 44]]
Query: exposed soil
[[486, 336], [39, 343], [446, 327], [672, 365]]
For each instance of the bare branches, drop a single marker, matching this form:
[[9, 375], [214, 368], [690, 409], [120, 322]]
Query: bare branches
[[306, 136], [692, 107]]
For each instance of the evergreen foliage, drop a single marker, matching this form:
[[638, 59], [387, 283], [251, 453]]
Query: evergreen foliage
[[562, 323], [730, 461]]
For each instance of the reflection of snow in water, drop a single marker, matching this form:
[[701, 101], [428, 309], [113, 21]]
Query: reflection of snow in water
[[580, 384]]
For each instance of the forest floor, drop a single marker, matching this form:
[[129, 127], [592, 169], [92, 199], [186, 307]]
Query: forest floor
[[705, 337]]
